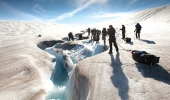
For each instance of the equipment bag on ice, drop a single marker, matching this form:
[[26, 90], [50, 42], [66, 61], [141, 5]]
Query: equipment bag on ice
[[127, 40], [80, 37], [144, 57]]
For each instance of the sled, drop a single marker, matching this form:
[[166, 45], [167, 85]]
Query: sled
[[127, 40], [144, 57]]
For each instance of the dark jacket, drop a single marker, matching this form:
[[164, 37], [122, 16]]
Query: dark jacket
[[88, 30], [111, 33], [123, 29], [104, 32], [137, 27]]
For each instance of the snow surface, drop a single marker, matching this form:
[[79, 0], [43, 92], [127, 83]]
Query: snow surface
[[25, 69]]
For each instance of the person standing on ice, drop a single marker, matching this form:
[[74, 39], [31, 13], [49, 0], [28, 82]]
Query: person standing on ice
[[88, 30], [98, 34], [70, 36], [137, 30], [123, 31], [94, 33], [104, 33], [111, 32]]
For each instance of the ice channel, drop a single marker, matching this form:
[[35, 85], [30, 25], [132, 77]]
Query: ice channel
[[60, 75]]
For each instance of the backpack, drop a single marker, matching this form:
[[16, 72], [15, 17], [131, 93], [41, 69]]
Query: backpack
[[139, 26], [127, 40]]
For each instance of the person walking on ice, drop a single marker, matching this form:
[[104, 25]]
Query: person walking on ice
[[123, 31], [88, 30], [137, 30], [104, 33], [112, 39]]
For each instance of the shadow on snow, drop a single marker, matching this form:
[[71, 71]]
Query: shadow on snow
[[118, 78], [156, 72], [148, 41]]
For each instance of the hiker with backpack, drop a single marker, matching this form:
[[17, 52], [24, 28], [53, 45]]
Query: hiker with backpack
[[137, 30], [94, 33], [111, 32], [123, 31], [104, 33], [70, 36]]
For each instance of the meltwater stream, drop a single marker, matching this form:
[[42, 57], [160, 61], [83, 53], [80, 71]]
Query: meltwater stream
[[60, 75]]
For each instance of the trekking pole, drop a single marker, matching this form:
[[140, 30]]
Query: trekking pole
[[123, 48], [134, 35], [119, 32]]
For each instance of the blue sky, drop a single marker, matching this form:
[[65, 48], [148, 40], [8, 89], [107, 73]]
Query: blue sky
[[77, 12]]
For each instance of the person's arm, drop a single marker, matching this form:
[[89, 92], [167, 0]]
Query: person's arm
[[121, 28]]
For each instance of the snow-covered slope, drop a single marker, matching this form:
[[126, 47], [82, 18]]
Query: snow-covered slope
[[150, 16]]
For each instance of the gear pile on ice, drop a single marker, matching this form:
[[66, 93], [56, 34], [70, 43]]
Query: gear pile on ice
[[144, 57]]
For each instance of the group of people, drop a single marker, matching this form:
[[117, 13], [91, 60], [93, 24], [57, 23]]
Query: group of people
[[95, 33], [111, 33], [137, 31], [112, 39]]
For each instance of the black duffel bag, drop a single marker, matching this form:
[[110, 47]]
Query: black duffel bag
[[144, 57], [80, 37], [127, 40]]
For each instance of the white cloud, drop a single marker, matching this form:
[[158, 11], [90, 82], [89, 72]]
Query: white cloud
[[37, 8], [133, 1], [82, 4], [107, 15], [19, 13], [66, 15]]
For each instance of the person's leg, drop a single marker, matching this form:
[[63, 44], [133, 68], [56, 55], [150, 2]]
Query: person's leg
[[97, 37], [91, 36], [69, 38], [104, 40], [115, 44], [136, 35], [139, 34], [110, 44], [123, 35]]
